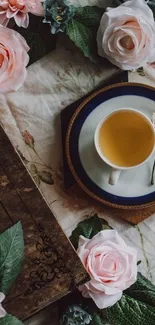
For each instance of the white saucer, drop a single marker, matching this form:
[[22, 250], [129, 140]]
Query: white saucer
[[134, 187]]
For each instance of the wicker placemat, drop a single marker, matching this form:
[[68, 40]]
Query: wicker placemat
[[134, 216]]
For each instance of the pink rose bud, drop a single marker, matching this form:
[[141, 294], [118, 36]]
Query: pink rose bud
[[28, 138], [111, 264]]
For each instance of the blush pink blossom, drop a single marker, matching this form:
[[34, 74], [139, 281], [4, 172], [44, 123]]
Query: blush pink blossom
[[111, 264], [126, 35], [19, 9], [2, 310], [13, 59]]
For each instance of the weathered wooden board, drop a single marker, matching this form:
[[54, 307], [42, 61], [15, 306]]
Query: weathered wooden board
[[51, 268]]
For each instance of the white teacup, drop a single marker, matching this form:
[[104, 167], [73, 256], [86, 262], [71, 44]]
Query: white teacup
[[116, 170]]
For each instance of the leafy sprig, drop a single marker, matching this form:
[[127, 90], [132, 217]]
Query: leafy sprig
[[11, 260]]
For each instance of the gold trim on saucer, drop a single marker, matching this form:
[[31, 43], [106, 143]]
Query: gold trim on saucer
[[67, 150]]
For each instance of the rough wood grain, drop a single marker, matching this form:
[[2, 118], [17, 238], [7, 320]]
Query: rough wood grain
[[51, 268]]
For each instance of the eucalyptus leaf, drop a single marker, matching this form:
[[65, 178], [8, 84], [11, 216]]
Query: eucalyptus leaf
[[84, 38], [88, 228], [82, 30], [11, 256], [10, 320], [129, 311], [142, 290], [97, 319]]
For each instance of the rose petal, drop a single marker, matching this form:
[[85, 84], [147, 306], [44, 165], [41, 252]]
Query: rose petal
[[103, 236], [13, 59], [11, 13], [126, 35], [104, 301], [101, 299], [2, 296], [96, 287], [3, 20], [35, 7], [22, 20], [2, 312]]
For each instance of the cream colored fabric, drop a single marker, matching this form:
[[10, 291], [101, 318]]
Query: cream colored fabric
[[55, 81]]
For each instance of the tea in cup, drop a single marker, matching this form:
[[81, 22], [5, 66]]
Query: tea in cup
[[124, 139]]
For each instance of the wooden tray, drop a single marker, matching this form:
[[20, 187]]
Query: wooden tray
[[51, 268]]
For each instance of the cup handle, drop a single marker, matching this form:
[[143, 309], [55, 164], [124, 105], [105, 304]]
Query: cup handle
[[114, 176]]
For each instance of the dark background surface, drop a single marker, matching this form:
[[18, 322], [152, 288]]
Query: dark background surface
[[38, 37]]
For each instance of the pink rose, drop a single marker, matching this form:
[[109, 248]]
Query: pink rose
[[2, 310], [126, 36], [111, 264], [19, 9], [13, 59]]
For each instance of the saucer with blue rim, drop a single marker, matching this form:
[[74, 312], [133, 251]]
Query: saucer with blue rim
[[134, 189]]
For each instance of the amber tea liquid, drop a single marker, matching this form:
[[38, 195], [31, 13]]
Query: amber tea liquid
[[126, 138]]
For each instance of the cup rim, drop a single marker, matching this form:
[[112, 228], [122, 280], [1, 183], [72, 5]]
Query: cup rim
[[103, 119]]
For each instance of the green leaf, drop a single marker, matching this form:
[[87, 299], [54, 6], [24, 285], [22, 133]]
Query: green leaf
[[129, 311], [11, 256], [142, 290], [82, 30], [34, 173], [46, 177], [88, 228], [97, 320], [84, 38], [89, 15], [10, 320]]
